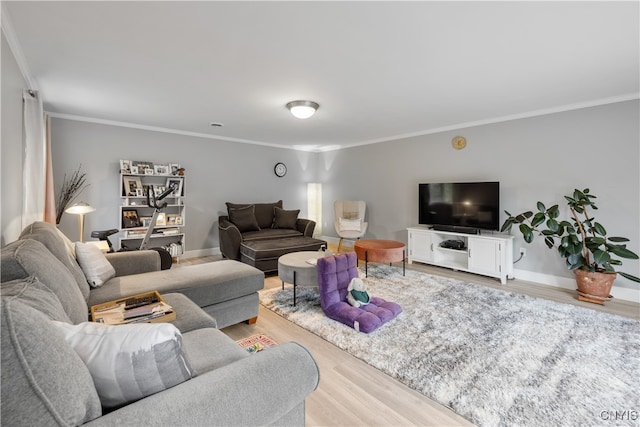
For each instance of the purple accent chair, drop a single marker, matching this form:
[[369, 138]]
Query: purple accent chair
[[334, 274]]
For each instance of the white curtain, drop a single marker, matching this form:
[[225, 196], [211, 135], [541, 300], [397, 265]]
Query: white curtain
[[34, 158]]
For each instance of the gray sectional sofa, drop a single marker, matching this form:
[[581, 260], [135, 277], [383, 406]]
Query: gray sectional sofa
[[48, 374], [259, 233]]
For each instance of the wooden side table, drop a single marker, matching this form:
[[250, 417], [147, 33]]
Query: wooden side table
[[386, 251]]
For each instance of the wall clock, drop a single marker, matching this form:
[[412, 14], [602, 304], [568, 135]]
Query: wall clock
[[459, 142], [280, 170]]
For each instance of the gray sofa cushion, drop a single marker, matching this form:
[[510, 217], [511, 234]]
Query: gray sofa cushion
[[210, 349], [24, 258], [54, 240], [44, 382], [263, 211], [188, 315], [35, 294], [204, 284]]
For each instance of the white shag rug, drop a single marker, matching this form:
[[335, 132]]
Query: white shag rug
[[496, 358]]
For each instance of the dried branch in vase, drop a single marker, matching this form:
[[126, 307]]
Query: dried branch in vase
[[70, 189]]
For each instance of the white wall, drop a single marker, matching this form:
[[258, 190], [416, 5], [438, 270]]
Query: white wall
[[539, 158], [11, 146]]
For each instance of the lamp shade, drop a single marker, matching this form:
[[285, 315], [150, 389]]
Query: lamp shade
[[303, 109], [80, 208]]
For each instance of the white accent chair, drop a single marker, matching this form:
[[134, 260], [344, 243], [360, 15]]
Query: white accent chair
[[349, 219]]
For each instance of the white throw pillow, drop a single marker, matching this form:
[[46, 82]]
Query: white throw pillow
[[129, 362], [94, 264], [349, 224]]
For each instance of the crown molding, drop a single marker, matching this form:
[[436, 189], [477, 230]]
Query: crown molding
[[14, 45], [319, 148], [525, 115], [160, 129]]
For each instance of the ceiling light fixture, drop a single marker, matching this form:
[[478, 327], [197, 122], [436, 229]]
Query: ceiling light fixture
[[303, 109]]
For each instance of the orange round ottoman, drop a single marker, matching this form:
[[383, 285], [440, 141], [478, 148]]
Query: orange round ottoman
[[386, 251]]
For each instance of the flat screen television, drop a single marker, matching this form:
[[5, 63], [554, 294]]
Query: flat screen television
[[466, 207]]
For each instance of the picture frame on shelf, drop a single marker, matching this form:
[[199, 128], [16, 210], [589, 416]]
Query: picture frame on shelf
[[130, 218], [143, 167], [178, 183], [161, 221], [161, 169], [139, 192], [173, 219], [130, 185], [146, 220], [158, 190], [125, 166], [134, 170], [173, 168]]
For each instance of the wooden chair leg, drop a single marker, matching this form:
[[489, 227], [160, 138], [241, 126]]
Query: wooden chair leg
[[339, 245], [252, 320]]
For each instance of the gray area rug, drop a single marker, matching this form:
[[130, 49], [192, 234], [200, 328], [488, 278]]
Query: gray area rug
[[496, 358]]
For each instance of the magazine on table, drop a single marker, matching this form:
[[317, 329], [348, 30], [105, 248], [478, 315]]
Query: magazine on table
[[118, 314]]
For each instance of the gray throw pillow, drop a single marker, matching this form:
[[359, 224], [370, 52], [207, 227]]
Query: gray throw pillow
[[35, 294], [244, 218], [285, 219], [129, 362], [94, 264]]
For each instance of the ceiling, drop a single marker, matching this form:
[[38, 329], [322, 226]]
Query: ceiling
[[379, 70]]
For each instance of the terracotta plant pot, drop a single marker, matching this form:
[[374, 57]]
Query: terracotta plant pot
[[593, 286]]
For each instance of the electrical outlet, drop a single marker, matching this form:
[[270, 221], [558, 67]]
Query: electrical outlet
[[523, 252]]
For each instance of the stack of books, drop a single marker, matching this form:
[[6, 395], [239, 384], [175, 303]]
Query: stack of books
[[142, 308]]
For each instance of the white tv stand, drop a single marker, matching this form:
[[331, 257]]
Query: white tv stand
[[485, 254]]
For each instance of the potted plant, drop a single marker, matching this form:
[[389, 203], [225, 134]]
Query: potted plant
[[581, 241]]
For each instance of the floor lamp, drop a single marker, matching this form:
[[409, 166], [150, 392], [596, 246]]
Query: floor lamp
[[80, 209]]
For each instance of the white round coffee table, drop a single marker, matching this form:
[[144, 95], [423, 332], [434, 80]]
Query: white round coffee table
[[299, 269]]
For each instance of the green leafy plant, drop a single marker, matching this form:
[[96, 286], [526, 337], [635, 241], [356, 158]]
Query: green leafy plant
[[71, 187], [581, 241]]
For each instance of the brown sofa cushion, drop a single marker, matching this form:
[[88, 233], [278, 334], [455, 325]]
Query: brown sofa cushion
[[285, 219], [244, 218], [264, 212]]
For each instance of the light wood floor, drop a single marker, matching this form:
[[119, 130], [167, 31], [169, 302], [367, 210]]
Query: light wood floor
[[352, 393]]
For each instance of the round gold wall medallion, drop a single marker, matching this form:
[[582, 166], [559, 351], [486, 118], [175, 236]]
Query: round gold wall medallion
[[459, 142]]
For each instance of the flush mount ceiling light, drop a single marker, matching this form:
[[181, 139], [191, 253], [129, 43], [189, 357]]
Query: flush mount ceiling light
[[302, 109]]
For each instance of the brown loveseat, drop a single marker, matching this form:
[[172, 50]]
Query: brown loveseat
[[259, 233]]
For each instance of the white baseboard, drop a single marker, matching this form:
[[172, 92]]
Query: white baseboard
[[617, 292], [201, 253]]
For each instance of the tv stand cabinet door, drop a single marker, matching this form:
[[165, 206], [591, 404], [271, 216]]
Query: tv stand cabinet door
[[420, 246], [485, 257]]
